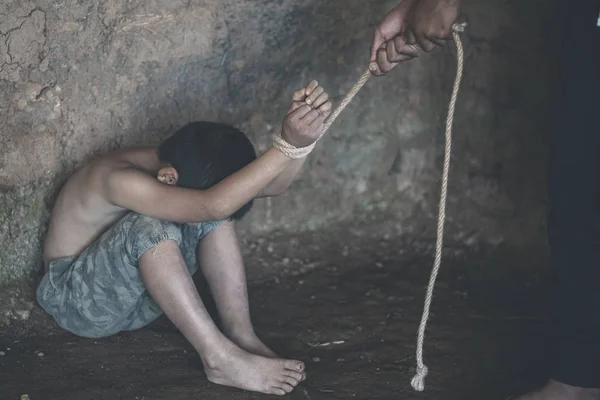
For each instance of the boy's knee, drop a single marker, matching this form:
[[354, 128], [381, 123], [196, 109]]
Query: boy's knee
[[164, 249], [196, 232], [191, 236], [148, 233]]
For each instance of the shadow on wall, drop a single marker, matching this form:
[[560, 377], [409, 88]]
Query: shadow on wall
[[81, 78]]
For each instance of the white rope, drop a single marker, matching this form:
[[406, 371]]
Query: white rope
[[418, 381], [289, 150]]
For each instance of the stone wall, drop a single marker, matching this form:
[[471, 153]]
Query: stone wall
[[81, 77]]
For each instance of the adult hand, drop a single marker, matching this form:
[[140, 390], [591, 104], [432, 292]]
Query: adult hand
[[429, 22], [411, 26], [389, 46]]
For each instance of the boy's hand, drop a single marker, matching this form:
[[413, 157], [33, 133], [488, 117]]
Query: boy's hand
[[303, 124]]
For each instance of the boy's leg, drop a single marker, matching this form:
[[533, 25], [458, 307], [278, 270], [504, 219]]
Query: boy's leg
[[167, 278], [221, 262], [100, 292]]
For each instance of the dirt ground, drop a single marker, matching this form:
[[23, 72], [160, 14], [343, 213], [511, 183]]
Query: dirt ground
[[361, 293]]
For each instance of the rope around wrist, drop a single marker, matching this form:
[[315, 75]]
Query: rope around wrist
[[298, 152], [290, 151]]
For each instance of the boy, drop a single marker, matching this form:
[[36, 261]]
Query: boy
[[123, 235]]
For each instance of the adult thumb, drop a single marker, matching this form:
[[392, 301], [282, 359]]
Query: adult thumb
[[378, 41]]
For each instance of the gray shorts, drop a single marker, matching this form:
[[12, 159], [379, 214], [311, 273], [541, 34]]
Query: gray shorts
[[100, 292]]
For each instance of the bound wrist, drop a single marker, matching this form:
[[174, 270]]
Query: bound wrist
[[289, 150]]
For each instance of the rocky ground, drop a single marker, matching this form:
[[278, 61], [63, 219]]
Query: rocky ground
[[348, 303]]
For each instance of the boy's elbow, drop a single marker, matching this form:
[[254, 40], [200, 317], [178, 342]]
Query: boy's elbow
[[277, 190], [218, 211], [219, 215], [208, 207], [271, 193]]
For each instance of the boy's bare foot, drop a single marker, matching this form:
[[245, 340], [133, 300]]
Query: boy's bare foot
[[235, 367], [559, 391], [252, 344]]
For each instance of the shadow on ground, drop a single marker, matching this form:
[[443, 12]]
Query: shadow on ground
[[485, 337]]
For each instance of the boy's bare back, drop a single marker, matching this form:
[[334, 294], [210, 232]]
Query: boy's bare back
[[83, 211]]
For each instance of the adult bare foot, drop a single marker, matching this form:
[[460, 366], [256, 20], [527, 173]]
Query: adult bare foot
[[559, 391], [232, 366], [252, 344]]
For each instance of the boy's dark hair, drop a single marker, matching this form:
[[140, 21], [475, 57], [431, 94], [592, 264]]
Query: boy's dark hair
[[204, 153]]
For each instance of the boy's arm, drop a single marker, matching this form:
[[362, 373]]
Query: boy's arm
[[137, 191], [283, 181], [315, 96]]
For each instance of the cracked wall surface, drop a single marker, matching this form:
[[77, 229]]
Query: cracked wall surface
[[82, 77]]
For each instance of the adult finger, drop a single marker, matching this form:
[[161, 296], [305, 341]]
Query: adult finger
[[405, 49], [378, 40], [391, 54], [385, 65], [409, 37], [423, 42], [399, 51]]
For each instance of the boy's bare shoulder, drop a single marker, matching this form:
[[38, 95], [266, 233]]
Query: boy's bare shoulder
[[89, 184], [140, 159], [143, 159], [126, 165], [83, 207]]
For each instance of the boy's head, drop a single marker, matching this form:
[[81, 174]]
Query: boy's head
[[204, 153]]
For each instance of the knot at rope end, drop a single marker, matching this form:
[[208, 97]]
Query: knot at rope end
[[418, 381], [459, 27]]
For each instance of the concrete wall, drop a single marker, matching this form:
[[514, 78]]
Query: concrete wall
[[81, 77]]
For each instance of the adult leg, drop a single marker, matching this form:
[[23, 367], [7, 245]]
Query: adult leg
[[221, 262], [170, 284], [574, 218]]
